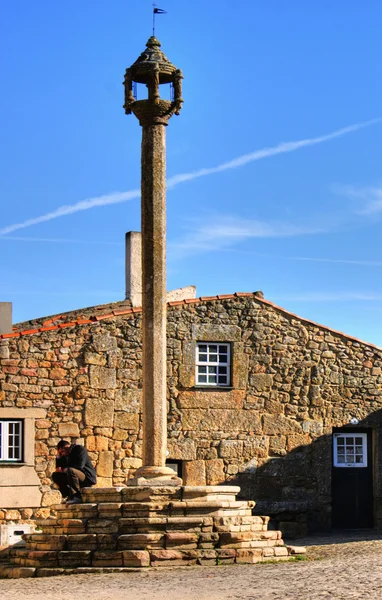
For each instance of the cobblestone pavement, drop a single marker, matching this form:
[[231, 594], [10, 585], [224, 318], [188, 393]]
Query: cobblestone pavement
[[343, 566]]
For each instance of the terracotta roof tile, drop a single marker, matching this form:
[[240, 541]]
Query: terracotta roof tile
[[53, 319], [136, 310], [122, 311], [29, 331], [9, 335], [102, 317]]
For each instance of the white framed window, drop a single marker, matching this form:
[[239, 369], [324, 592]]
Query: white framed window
[[350, 450], [213, 364], [11, 440]]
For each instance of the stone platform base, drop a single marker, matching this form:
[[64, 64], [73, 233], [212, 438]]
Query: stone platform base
[[124, 529]]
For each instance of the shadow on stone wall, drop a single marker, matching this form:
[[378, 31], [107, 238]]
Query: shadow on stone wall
[[295, 490]]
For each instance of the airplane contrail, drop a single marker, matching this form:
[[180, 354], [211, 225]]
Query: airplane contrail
[[118, 197]]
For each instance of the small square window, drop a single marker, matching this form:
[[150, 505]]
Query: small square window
[[213, 364], [349, 450], [11, 441]]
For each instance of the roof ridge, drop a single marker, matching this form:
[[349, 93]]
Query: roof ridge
[[136, 310]]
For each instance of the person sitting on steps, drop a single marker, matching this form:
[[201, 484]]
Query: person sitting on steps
[[74, 470]]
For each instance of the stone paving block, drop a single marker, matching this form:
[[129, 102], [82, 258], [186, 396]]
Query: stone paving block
[[16, 572], [75, 558], [46, 572], [86, 541], [136, 558], [143, 525], [191, 524], [281, 551], [151, 494], [109, 509], [207, 557], [142, 509], [107, 559], [107, 541], [249, 556], [181, 539], [102, 526], [168, 558], [225, 555], [141, 541]]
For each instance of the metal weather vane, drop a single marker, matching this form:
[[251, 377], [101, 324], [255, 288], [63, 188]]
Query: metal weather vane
[[157, 11]]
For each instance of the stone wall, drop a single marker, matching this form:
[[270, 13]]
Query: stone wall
[[293, 381]]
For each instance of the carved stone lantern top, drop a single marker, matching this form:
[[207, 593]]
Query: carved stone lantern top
[[150, 57], [153, 68]]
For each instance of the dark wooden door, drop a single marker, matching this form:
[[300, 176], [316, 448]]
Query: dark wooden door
[[352, 480]]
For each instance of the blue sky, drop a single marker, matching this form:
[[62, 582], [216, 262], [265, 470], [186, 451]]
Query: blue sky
[[299, 221]]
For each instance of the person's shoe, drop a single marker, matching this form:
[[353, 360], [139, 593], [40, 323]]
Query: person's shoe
[[74, 500]]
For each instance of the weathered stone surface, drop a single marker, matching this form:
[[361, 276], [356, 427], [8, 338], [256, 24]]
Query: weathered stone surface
[[97, 443], [57, 373], [194, 472], [215, 471], [313, 427], [50, 498], [68, 430], [126, 421], [129, 400], [136, 558], [93, 358], [102, 378], [301, 380], [99, 411], [249, 555], [103, 342], [231, 448], [220, 420], [173, 557], [278, 424], [183, 449], [261, 382], [211, 399], [105, 464]]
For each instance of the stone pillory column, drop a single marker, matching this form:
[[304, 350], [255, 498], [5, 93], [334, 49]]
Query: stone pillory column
[[153, 69]]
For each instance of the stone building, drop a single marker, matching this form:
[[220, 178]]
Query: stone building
[[284, 407]]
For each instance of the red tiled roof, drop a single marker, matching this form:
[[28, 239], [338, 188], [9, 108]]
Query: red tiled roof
[[82, 320]]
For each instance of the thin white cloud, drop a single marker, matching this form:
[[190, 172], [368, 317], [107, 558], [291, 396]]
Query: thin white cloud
[[114, 198], [282, 148], [83, 294], [15, 238], [330, 297], [222, 231], [341, 261], [172, 182], [371, 197]]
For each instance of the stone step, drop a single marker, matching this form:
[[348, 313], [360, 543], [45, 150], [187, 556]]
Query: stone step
[[82, 562], [187, 533]]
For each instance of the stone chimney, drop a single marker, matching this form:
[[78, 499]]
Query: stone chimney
[[5, 317], [133, 249], [134, 267]]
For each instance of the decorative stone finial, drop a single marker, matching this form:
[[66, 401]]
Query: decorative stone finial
[[153, 68]]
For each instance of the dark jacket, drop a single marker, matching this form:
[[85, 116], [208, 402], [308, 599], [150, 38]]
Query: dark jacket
[[78, 458], [61, 462]]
